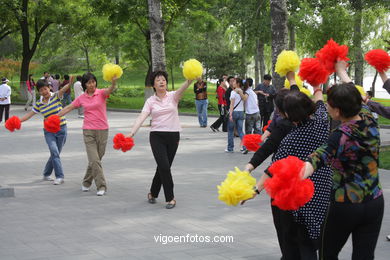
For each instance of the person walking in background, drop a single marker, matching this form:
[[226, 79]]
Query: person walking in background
[[5, 99], [164, 133], [78, 91], [265, 94], [67, 95], [31, 98], [252, 112], [201, 101], [50, 104], [221, 89], [55, 83]]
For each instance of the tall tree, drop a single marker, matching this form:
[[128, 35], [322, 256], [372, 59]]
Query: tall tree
[[279, 36]]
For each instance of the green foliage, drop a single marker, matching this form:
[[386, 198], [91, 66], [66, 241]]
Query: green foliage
[[384, 159]]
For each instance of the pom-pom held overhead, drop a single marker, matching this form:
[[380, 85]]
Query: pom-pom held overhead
[[122, 142], [252, 142], [286, 186], [313, 71], [110, 70], [305, 91], [331, 53], [13, 123], [52, 124], [287, 61], [192, 69], [237, 186], [379, 59], [298, 80]]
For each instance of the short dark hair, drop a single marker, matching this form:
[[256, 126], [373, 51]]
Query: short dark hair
[[279, 98], [239, 81], [87, 77], [57, 76], [159, 73], [267, 77], [229, 78], [249, 82], [346, 98], [42, 83], [298, 106], [369, 92], [79, 78], [66, 77]]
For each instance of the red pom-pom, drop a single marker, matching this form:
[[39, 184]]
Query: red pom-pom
[[122, 142], [13, 123], [286, 186], [313, 71], [379, 59], [331, 53], [265, 127], [252, 142], [52, 124]]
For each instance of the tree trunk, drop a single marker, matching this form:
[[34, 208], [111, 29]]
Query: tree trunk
[[257, 63], [117, 58], [24, 75], [291, 34], [172, 79], [279, 36], [86, 52], [262, 60], [156, 24], [357, 42]]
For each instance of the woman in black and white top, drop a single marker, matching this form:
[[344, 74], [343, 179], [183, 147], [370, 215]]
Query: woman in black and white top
[[299, 231], [236, 113]]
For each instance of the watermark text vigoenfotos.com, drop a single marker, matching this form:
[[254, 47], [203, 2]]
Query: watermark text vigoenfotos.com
[[189, 238]]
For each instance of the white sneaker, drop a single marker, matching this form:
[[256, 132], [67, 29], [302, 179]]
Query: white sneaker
[[81, 116], [83, 188], [228, 151], [58, 181], [47, 178], [100, 192]]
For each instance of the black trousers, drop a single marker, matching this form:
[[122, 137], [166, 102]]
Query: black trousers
[[4, 108], [221, 119], [362, 220], [294, 240], [164, 146]]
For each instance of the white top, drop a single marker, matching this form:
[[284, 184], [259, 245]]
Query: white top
[[251, 103], [78, 89], [237, 98], [5, 92]]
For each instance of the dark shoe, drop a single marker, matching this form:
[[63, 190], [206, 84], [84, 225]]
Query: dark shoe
[[170, 205], [388, 238], [151, 199], [212, 128]]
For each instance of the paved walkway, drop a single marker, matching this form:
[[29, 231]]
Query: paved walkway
[[44, 221]]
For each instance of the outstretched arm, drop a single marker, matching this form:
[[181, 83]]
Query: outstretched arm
[[341, 70], [180, 91], [27, 116], [138, 122], [66, 110], [109, 90]]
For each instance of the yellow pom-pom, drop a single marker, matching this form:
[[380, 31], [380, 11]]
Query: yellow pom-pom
[[110, 70], [297, 80], [361, 90], [192, 69], [287, 61], [237, 186], [306, 91]]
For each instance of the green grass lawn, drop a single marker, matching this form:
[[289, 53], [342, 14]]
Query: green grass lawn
[[384, 159]]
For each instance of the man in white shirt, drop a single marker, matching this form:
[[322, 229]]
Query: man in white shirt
[[5, 99], [78, 91], [252, 111]]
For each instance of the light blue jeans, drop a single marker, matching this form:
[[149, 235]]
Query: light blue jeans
[[55, 142], [238, 121], [201, 107]]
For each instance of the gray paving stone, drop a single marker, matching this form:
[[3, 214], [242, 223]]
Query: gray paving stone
[[45, 221]]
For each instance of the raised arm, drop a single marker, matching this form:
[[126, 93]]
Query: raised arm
[[180, 91], [109, 90], [65, 88], [27, 116], [341, 70], [138, 122]]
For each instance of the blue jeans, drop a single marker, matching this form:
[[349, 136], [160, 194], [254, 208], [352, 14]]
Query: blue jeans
[[238, 121], [201, 107], [55, 142]]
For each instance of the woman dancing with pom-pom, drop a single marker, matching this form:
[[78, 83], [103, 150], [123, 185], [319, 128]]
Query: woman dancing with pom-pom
[[352, 150], [95, 128], [50, 104], [164, 133], [299, 230]]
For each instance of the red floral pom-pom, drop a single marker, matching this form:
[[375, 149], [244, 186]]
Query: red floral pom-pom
[[331, 53], [52, 124], [127, 144], [13, 123], [313, 71], [379, 59], [265, 127], [286, 187], [118, 140], [252, 142]]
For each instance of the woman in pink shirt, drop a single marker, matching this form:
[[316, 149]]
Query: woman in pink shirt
[[95, 129], [164, 133]]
